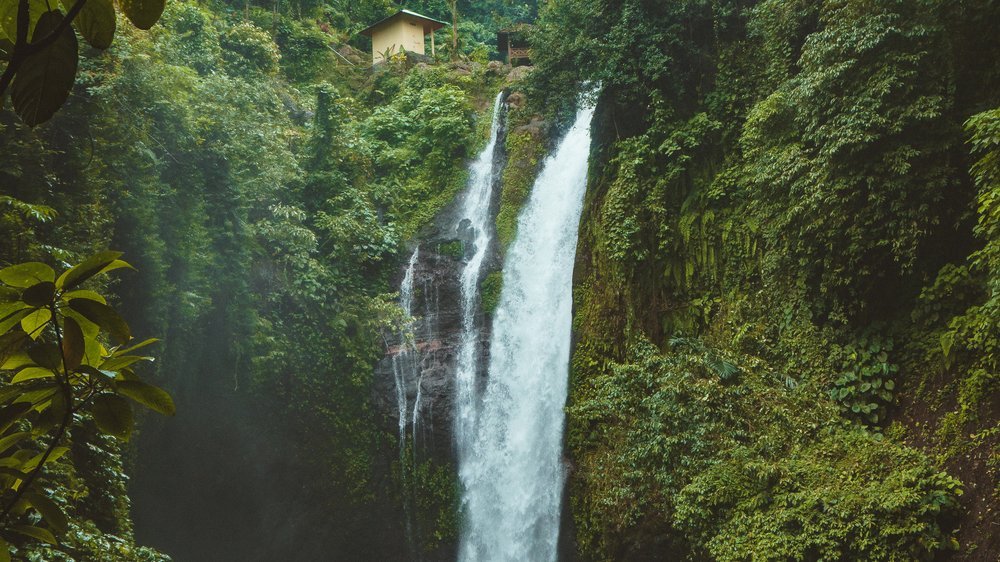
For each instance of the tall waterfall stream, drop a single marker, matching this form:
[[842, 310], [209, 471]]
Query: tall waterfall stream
[[508, 432], [511, 463]]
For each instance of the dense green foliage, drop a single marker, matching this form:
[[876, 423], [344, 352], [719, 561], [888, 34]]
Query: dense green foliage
[[783, 181], [787, 289], [264, 188], [53, 332]]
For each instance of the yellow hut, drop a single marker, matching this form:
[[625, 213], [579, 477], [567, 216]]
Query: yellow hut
[[402, 31]]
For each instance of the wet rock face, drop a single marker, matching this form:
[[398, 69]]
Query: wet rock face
[[427, 363], [420, 368]]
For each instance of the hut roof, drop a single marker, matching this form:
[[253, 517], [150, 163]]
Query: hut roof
[[429, 24]]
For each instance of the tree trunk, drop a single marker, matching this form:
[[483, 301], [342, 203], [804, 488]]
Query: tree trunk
[[454, 29]]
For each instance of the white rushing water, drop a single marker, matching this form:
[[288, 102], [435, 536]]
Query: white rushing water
[[476, 220], [405, 363], [512, 473]]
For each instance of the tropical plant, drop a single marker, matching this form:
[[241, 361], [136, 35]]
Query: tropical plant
[[59, 366], [41, 50]]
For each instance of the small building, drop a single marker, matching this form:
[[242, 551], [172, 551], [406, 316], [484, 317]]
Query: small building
[[513, 46], [402, 31]]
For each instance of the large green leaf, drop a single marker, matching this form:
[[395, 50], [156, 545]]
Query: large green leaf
[[39, 294], [141, 344], [119, 362], [90, 330], [4, 551], [95, 22], [50, 511], [113, 415], [8, 17], [46, 354], [11, 345], [104, 316], [142, 13], [24, 275], [84, 294], [87, 268], [148, 395], [8, 294], [30, 531], [56, 454], [32, 373], [44, 81], [33, 322], [52, 413], [8, 321], [13, 439], [73, 347]]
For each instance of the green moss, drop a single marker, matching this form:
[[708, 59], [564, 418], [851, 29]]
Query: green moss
[[453, 249], [524, 154], [489, 291]]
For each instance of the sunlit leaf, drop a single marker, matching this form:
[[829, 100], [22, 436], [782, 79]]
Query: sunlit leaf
[[8, 294], [95, 22], [90, 330], [56, 454], [16, 361], [93, 353], [24, 275], [86, 269], [141, 344], [121, 361], [34, 321], [84, 294], [113, 415], [32, 373], [46, 78], [13, 439], [8, 16], [148, 395], [12, 319], [43, 393], [11, 345]]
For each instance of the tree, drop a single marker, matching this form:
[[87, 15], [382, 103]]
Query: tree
[[41, 50], [52, 342], [454, 29]]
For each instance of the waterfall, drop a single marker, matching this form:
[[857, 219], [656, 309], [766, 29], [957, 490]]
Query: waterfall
[[512, 471], [475, 227], [406, 362]]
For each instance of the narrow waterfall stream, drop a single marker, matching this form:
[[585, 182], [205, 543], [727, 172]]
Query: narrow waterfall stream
[[420, 341], [406, 363], [475, 226], [511, 469]]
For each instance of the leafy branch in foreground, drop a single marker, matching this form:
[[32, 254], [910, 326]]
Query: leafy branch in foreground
[[56, 365], [40, 47]]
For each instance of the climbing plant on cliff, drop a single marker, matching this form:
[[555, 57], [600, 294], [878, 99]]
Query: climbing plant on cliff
[[65, 355], [787, 182]]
